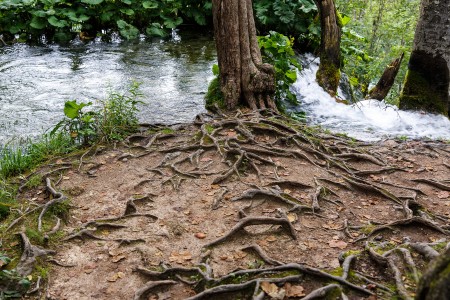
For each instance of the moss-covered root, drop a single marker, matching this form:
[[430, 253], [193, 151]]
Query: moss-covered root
[[435, 283], [426, 84], [328, 76]]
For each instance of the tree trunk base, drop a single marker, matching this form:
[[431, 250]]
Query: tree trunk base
[[427, 84]]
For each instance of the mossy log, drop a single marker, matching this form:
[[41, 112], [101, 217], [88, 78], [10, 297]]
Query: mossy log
[[329, 72], [427, 81], [426, 84], [435, 283], [384, 85]]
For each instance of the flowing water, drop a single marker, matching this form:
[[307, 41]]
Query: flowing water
[[368, 120], [35, 81]]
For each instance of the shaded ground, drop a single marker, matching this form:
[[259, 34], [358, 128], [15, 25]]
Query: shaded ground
[[147, 217]]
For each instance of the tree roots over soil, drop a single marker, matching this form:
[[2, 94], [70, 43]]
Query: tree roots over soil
[[251, 206]]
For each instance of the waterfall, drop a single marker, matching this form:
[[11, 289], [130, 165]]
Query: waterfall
[[367, 120]]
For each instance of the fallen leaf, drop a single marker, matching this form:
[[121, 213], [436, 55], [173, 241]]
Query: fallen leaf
[[200, 235], [332, 225], [114, 277], [116, 259], [271, 239], [269, 288], [294, 290], [292, 217], [337, 244]]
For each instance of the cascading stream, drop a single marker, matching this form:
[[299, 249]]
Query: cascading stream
[[367, 120], [35, 81]]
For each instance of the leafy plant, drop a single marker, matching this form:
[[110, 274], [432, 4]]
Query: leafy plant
[[115, 120], [12, 285], [80, 125], [277, 51], [118, 116]]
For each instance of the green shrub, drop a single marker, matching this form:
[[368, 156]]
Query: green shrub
[[277, 51]]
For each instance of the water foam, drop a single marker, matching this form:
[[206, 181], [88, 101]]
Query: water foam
[[367, 120]]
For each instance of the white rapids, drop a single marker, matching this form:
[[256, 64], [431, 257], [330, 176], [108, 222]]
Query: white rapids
[[367, 120]]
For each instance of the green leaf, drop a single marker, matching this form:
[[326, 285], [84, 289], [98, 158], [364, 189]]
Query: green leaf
[[128, 31], [72, 109], [215, 69], [173, 23], [127, 11], [150, 4], [92, 2], [38, 23], [54, 21], [126, 2], [156, 30]]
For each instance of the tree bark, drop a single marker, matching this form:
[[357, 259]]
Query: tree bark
[[244, 79], [384, 85], [427, 81], [329, 73], [435, 283]]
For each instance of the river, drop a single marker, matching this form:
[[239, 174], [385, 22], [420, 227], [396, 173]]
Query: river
[[35, 81]]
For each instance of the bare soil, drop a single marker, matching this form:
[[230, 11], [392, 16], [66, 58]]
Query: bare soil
[[317, 210]]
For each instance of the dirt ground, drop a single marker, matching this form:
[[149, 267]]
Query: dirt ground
[[300, 212]]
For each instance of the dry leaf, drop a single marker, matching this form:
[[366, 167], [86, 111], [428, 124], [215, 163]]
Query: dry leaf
[[206, 159], [114, 277], [292, 217], [116, 259], [200, 235], [269, 288], [271, 239], [337, 244], [294, 290]]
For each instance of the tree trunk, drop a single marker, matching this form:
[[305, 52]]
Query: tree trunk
[[329, 73], [427, 81], [384, 85], [243, 77], [435, 283]]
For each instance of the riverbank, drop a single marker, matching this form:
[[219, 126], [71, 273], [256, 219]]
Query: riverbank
[[162, 215]]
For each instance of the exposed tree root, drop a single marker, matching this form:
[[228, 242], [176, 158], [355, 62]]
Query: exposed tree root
[[143, 291], [248, 221], [29, 255], [434, 183]]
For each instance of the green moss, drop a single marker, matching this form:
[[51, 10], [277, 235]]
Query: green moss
[[209, 128], [418, 94], [167, 131], [214, 95], [35, 236], [351, 252], [328, 76], [34, 181]]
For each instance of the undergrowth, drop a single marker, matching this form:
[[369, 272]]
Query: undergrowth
[[115, 118]]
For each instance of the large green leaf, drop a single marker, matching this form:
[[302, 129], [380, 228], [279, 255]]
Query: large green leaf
[[54, 21], [156, 30], [72, 109], [127, 11], [92, 2], [38, 23], [172, 22], [150, 4], [128, 31]]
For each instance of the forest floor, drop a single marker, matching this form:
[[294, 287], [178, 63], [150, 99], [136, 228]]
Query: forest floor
[[242, 206]]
